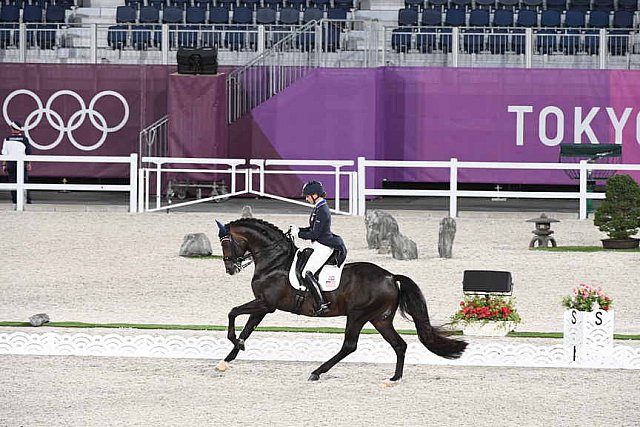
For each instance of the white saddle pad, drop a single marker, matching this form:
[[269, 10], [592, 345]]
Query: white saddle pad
[[329, 277]]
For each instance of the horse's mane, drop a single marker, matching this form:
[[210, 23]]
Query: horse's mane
[[262, 224]]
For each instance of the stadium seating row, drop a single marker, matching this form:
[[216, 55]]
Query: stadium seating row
[[222, 15], [66, 4], [252, 4], [39, 31], [561, 5], [31, 14], [521, 18]]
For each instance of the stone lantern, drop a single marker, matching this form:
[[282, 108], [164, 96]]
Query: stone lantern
[[543, 231]]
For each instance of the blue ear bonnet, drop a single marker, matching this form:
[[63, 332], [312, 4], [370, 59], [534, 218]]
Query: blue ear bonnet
[[223, 231]]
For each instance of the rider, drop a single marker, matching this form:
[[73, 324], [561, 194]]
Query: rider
[[324, 242]]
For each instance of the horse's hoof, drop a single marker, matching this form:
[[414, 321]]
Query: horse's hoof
[[240, 345], [222, 366], [389, 384], [314, 377]]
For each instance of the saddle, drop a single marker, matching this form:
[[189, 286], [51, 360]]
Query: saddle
[[328, 276]]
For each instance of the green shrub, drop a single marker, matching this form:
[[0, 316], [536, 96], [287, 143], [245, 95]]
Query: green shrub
[[619, 213]]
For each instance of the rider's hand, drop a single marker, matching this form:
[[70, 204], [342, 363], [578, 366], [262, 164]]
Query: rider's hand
[[294, 230]]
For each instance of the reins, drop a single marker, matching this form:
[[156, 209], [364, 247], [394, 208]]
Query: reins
[[243, 261]]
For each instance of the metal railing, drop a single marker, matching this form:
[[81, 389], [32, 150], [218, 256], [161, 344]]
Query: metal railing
[[539, 47], [153, 140], [268, 74], [453, 192]]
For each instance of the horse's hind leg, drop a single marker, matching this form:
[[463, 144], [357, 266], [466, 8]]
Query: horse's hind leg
[[389, 333], [352, 332]]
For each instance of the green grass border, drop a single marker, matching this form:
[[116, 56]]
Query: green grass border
[[323, 330]]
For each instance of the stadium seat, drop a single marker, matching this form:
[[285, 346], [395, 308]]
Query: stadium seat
[[438, 4], [251, 4], [204, 4], [570, 41], [498, 39], [427, 39], [188, 35], [474, 42], [219, 15], [526, 18], [559, 5], [509, 4], [265, 16], [485, 4], [345, 4], [149, 18], [461, 4], [289, 16], [628, 5], [158, 4], [312, 14], [452, 18], [117, 34], [9, 18], [182, 4], [618, 37], [274, 4], [236, 37], [546, 36], [242, 15], [414, 4], [32, 17], [336, 13], [606, 5], [597, 19], [401, 39], [407, 17], [580, 5], [297, 4], [532, 4], [320, 4]]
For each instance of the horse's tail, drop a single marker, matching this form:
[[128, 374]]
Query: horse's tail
[[412, 302]]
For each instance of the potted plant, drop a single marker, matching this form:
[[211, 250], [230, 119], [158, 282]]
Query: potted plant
[[588, 324], [619, 213], [486, 315]]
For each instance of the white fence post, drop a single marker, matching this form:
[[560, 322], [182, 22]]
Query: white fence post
[[361, 186], [453, 188], [583, 190], [20, 183], [337, 201], [142, 189], [133, 183]]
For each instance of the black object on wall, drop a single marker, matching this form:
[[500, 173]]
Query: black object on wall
[[197, 61]]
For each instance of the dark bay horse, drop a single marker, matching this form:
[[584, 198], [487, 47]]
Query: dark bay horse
[[367, 293]]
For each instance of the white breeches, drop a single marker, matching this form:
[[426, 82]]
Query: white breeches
[[320, 255]]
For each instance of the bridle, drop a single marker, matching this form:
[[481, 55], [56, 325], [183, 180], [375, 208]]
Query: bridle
[[240, 262]]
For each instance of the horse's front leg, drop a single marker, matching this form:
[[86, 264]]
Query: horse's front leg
[[256, 310]]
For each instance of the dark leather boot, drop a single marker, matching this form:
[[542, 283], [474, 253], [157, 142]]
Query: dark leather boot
[[314, 288]]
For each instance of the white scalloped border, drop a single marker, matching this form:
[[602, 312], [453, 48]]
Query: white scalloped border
[[300, 349]]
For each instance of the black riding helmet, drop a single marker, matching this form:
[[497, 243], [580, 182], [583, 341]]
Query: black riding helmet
[[312, 187]]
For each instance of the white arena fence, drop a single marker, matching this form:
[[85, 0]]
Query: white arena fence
[[243, 174], [20, 186], [453, 193]]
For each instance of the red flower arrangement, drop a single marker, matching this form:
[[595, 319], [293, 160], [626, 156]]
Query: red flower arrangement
[[485, 308]]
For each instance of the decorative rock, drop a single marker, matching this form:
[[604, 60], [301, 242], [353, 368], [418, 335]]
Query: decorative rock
[[445, 237], [246, 212], [385, 247], [380, 226], [195, 245], [403, 248], [39, 319]]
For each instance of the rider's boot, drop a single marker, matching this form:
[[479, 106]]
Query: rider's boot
[[314, 287]]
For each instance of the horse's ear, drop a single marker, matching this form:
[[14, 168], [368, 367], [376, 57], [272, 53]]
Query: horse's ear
[[223, 231]]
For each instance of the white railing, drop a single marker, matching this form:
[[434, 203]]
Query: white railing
[[453, 192], [334, 167], [145, 182], [20, 186]]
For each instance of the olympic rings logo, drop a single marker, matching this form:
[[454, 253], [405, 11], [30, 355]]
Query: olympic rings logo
[[75, 121]]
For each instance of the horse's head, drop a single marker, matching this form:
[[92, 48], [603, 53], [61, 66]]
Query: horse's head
[[233, 250], [249, 238]]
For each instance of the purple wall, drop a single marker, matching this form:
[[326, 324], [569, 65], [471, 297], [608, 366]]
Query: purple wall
[[439, 113]]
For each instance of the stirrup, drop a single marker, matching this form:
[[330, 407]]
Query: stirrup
[[323, 308]]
